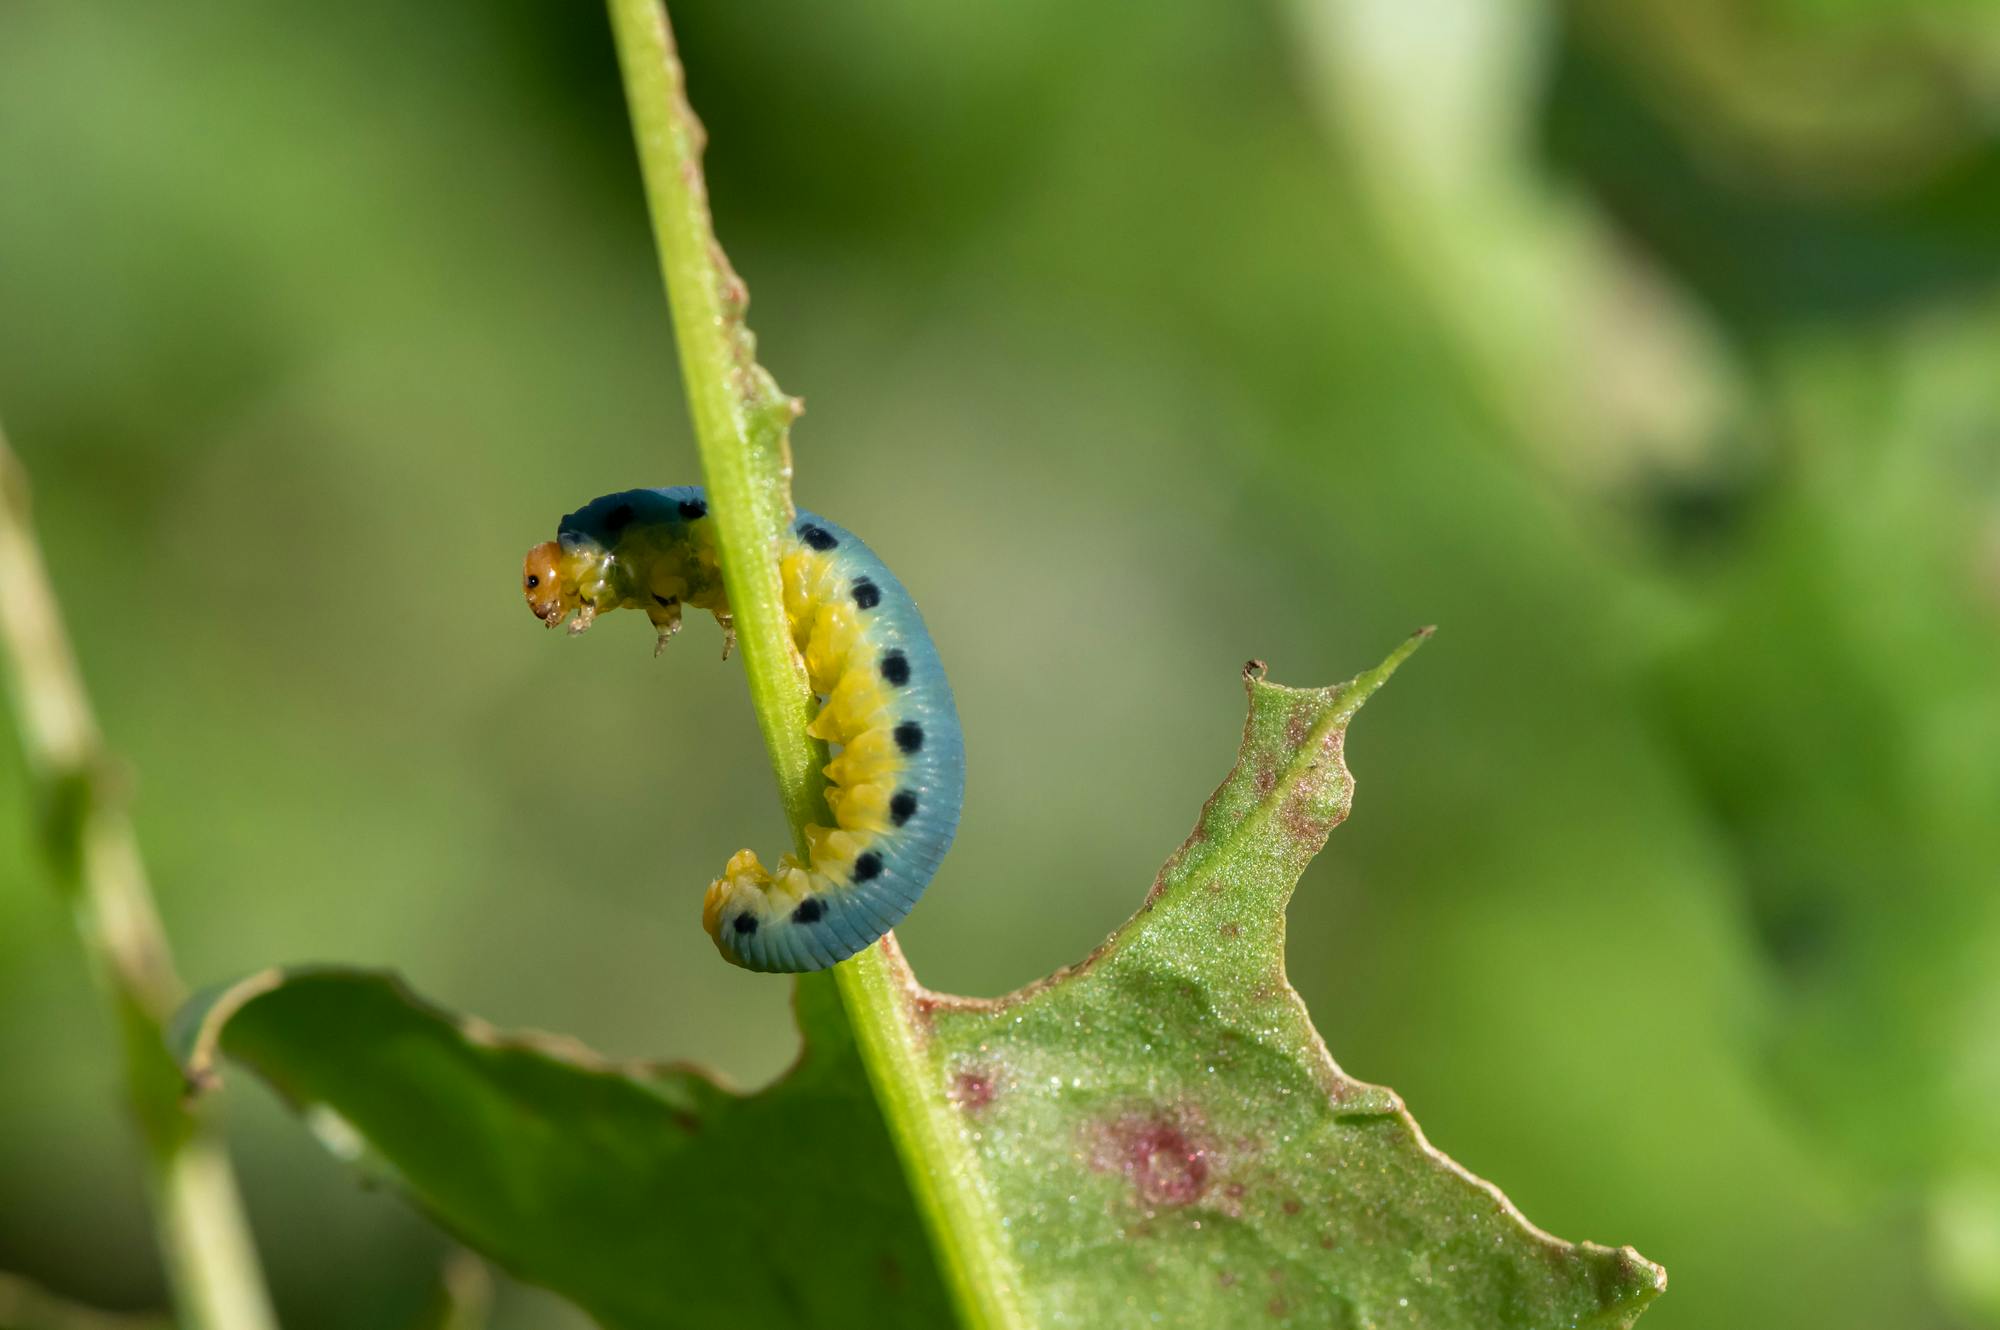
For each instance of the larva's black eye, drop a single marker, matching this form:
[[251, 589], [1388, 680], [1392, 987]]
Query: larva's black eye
[[533, 581]]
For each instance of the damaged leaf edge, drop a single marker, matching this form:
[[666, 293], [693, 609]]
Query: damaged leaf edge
[[196, 1032], [1648, 1278]]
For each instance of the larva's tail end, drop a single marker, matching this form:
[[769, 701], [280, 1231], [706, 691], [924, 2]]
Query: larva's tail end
[[723, 911], [711, 917], [756, 918]]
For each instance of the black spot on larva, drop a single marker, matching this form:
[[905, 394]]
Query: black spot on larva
[[618, 518], [868, 867], [810, 911], [896, 667], [817, 536], [692, 509], [745, 923], [909, 736], [668, 601], [866, 594], [903, 807]]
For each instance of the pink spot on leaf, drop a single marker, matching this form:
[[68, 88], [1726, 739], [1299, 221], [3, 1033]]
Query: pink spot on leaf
[[973, 1088], [1167, 1162], [1298, 724]]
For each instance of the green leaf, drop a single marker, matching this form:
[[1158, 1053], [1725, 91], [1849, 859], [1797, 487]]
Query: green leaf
[[1163, 1120], [648, 1194], [1159, 1128]]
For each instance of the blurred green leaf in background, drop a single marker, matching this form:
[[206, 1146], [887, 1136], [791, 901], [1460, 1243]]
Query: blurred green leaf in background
[[1648, 346]]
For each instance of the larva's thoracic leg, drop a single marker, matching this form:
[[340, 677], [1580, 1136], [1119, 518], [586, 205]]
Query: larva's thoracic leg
[[666, 617]]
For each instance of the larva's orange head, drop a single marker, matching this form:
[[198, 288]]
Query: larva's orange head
[[542, 583]]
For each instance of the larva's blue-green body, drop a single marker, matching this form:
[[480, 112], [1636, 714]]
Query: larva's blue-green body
[[897, 781]]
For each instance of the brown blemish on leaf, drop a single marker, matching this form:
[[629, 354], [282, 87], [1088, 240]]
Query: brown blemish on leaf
[[1266, 778], [1291, 1205], [1304, 823], [1299, 724], [1166, 1158], [1275, 1307], [1231, 929], [1629, 1270], [1226, 1278], [973, 1088]]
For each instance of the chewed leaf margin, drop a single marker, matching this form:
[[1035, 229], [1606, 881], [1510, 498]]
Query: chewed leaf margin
[[1165, 1115], [650, 1194]]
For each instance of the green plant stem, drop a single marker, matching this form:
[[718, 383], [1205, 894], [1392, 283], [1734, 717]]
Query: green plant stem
[[94, 860], [739, 421], [877, 989], [729, 397]]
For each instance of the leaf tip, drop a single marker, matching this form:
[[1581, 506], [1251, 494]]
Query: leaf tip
[[1635, 1279], [1363, 686], [1405, 649], [194, 1034], [1622, 1282]]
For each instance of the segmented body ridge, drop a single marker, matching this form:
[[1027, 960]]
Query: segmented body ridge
[[896, 780]]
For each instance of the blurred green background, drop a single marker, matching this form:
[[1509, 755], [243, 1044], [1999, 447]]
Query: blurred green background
[[1651, 348]]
